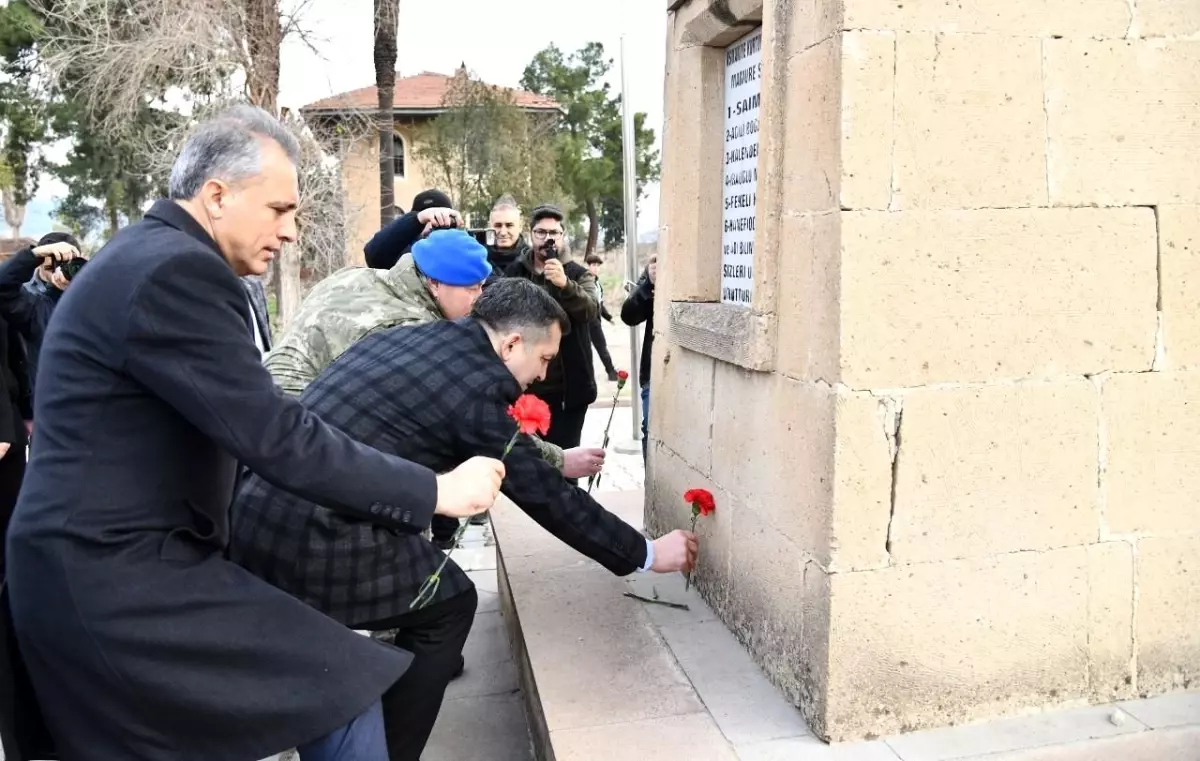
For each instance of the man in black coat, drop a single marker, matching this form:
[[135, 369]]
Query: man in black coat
[[436, 394], [142, 641], [639, 308], [570, 382]]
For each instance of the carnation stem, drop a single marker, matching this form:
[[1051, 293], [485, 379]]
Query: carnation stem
[[688, 583], [429, 588], [594, 480]]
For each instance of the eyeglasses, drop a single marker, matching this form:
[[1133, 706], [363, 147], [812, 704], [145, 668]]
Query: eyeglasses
[[543, 234]]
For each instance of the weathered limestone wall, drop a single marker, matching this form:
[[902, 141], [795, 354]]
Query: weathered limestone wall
[[955, 437]]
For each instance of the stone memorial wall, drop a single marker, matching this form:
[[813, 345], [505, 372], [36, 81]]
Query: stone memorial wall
[[929, 317]]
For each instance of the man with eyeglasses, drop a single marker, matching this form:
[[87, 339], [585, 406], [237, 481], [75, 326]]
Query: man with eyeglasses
[[570, 382]]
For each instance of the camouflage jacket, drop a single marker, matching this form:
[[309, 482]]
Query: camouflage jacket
[[345, 307]]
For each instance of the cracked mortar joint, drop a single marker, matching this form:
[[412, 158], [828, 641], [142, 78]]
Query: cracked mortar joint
[[891, 409]]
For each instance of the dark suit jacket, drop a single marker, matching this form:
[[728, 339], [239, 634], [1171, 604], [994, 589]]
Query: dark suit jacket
[[259, 312], [142, 640], [436, 394]]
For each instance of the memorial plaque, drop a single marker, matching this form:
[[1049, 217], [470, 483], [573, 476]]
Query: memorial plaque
[[743, 96]]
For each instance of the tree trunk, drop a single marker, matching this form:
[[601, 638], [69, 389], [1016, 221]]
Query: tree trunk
[[264, 35], [114, 220], [593, 228], [14, 213], [387, 19]]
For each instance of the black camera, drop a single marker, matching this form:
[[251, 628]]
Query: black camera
[[486, 237], [71, 267], [550, 250]]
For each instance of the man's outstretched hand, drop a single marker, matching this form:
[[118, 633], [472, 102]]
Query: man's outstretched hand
[[675, 552], [582, 462], [469, 489]]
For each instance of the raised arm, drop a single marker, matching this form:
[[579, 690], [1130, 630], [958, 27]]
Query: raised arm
[[188, 342], [540, 490]]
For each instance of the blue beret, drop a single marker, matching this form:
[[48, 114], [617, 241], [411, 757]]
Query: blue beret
[[452, 257]]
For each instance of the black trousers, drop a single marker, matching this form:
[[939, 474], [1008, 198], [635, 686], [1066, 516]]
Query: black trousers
[[566, 428], [601, 344], [435, 635], [12, 472]]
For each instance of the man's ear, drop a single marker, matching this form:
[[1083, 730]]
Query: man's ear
[[508, 346], [215, 195]]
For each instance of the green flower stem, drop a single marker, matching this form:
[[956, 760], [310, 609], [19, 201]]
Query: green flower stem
[[594, 479], [695, 517], [427, 591]]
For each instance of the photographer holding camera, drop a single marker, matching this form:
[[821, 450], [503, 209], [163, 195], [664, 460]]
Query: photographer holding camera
[[569, 385], [55, 260]]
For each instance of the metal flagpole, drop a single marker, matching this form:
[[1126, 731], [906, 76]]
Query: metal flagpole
[[628, 149]]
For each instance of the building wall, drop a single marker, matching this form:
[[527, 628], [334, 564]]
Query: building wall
[[360, 176], [953, 439]]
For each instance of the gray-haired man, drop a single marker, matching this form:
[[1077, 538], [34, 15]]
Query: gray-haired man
[[142, 641]]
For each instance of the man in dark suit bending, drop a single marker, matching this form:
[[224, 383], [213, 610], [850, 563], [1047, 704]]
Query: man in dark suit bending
[[436, 394], [143, 642]]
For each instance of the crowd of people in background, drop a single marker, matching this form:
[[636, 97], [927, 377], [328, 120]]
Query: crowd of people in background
[[208, 512]]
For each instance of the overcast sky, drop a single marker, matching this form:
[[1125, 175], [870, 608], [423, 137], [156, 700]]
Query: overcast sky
[[496, 40]]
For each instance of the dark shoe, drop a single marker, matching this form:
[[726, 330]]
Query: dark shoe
[[480, 520], [462, 666], [445, 545], [612, 375]]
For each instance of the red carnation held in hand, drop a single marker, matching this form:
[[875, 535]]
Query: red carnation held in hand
[[702, 503], [622, 375], [532, 415]]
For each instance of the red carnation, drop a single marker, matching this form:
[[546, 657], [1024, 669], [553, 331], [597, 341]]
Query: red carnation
[[622, 375], [702, 503], [532, 415]]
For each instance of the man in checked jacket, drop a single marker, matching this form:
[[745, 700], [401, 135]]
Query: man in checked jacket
[[435, 394]]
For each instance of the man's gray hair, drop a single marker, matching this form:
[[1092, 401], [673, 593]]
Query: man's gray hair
[[228, 147], [506, 202]]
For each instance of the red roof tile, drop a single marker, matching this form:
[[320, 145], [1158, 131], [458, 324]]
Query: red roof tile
[[423, 92]]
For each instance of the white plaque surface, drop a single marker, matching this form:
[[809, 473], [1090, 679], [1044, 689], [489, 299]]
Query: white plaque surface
[[743, 96]]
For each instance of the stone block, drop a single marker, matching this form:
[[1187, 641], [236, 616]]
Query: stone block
[[1167, 18], [1179, 275], [996, 469], [809, 22], [970, 123], [986, 295], [682, 412], [862, 483], [1153, 463], [1110, 621], [1183, 743], [808, 287], [772, 447], [1168, 607], [693, 736], [944, 643], [692, 163], [778, 606], [868, 119], [745, 705], [1175, 710], [1020, 733], [812, 169], [1124, 120], [1083, 18], [611, 648], [666, 511]]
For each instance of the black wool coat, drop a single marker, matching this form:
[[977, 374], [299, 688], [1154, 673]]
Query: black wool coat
[[141, 639]]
